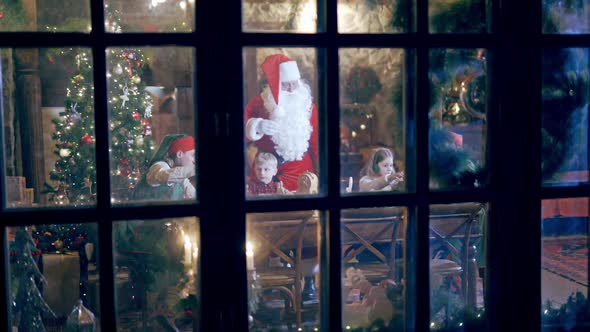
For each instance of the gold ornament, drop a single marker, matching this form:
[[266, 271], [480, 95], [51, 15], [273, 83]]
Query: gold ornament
[[136, 79]]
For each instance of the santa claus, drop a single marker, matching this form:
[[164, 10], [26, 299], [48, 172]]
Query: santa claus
[[282, 120]]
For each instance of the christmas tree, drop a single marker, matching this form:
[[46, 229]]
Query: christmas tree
[[130, 129], [28, 303]]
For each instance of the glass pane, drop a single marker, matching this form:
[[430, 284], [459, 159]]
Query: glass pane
[[566, 17], [149, 16], [45, 16], [156, 274], [281, 122], [457, 266], [458, 118], [373, 269], [53, 267], [372, 120], [564, 269], [375, 16], [152, 110], [48, 127], [279, 16], [282, 260], [566, 96], [458, 16]]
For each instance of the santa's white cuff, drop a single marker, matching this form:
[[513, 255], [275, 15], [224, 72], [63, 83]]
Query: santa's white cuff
[[252, 132]]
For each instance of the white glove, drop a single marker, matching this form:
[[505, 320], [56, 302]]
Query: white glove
[[267, 127]]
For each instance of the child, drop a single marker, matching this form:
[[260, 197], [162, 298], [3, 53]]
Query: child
[[379, 173], [266, 183]]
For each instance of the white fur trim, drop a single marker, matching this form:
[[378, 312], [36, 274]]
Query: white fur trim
[[288, 71], [252, 132]]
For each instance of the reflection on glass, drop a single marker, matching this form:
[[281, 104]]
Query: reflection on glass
[[281, 122], [49, 127], [151, 110], [372, 120], [457, 266], [45, 16], [374, 16], [566, 17], [149, 16], [458, 118], [279, 16], [52, 268], [457, 16], [564, 263], [373, 272], [156, 274], [566, 96], [282, 261]]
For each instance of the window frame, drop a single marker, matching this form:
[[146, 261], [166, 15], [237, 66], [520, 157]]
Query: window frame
[[515, 42]]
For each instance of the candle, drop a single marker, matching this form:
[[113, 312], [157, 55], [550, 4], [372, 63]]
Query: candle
[[187, 249], [249, 256]]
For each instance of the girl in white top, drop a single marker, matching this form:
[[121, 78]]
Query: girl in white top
[[379, 173]]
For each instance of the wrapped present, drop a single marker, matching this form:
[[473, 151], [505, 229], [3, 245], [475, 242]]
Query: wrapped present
[[15, 188]]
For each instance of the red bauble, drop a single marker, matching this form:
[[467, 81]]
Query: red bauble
[[1, 14], [135, 116], [124, 161], [86, 139]]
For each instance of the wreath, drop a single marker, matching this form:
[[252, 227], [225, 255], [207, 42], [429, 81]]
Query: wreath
[[362, 83]]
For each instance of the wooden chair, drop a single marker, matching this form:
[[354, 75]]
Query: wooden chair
[[278, 234], [362, 229], [458, 228]]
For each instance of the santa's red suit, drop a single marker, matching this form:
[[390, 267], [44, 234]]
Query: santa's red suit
[[289, 167]]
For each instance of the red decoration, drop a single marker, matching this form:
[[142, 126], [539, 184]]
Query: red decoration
[[135, 116], [145, 122], [188, 312], [66, 144], [86, 139], [124, 161], [1, 14]]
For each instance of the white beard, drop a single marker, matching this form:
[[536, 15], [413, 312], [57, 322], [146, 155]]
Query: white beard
[[292, 117]]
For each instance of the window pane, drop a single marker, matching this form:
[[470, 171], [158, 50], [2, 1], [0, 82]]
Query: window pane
[[149, 16], [373, 270], [372, 120], [48, 127], [458, 118], [151, 108], [156, 274], [566, 17], [457, 266], [45, 16], [458, 16], [279, 16], [281, 122], [566, 95], [375, 16], [564, 269], [282, 248], [52, 267]]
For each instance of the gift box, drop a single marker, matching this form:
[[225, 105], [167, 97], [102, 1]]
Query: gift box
[[15, 188]]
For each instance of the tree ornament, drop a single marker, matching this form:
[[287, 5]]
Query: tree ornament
[[1, 14], [135, 116], [136, 79], [58, 244], [125, 95], [118, 69], [139, 140], [148, 110], [86, 139], [81, 319], [64, 153]]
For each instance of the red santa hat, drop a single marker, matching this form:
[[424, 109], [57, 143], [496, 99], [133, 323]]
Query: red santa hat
[[279, 68], [183, 144]]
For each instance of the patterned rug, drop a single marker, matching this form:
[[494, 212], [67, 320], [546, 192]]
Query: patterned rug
[[567, 257]]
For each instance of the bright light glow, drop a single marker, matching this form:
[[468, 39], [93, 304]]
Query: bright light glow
[[249, 249], [182, 5], [307, 19]]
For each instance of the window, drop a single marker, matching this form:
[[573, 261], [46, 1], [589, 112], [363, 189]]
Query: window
[[452, 117]]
